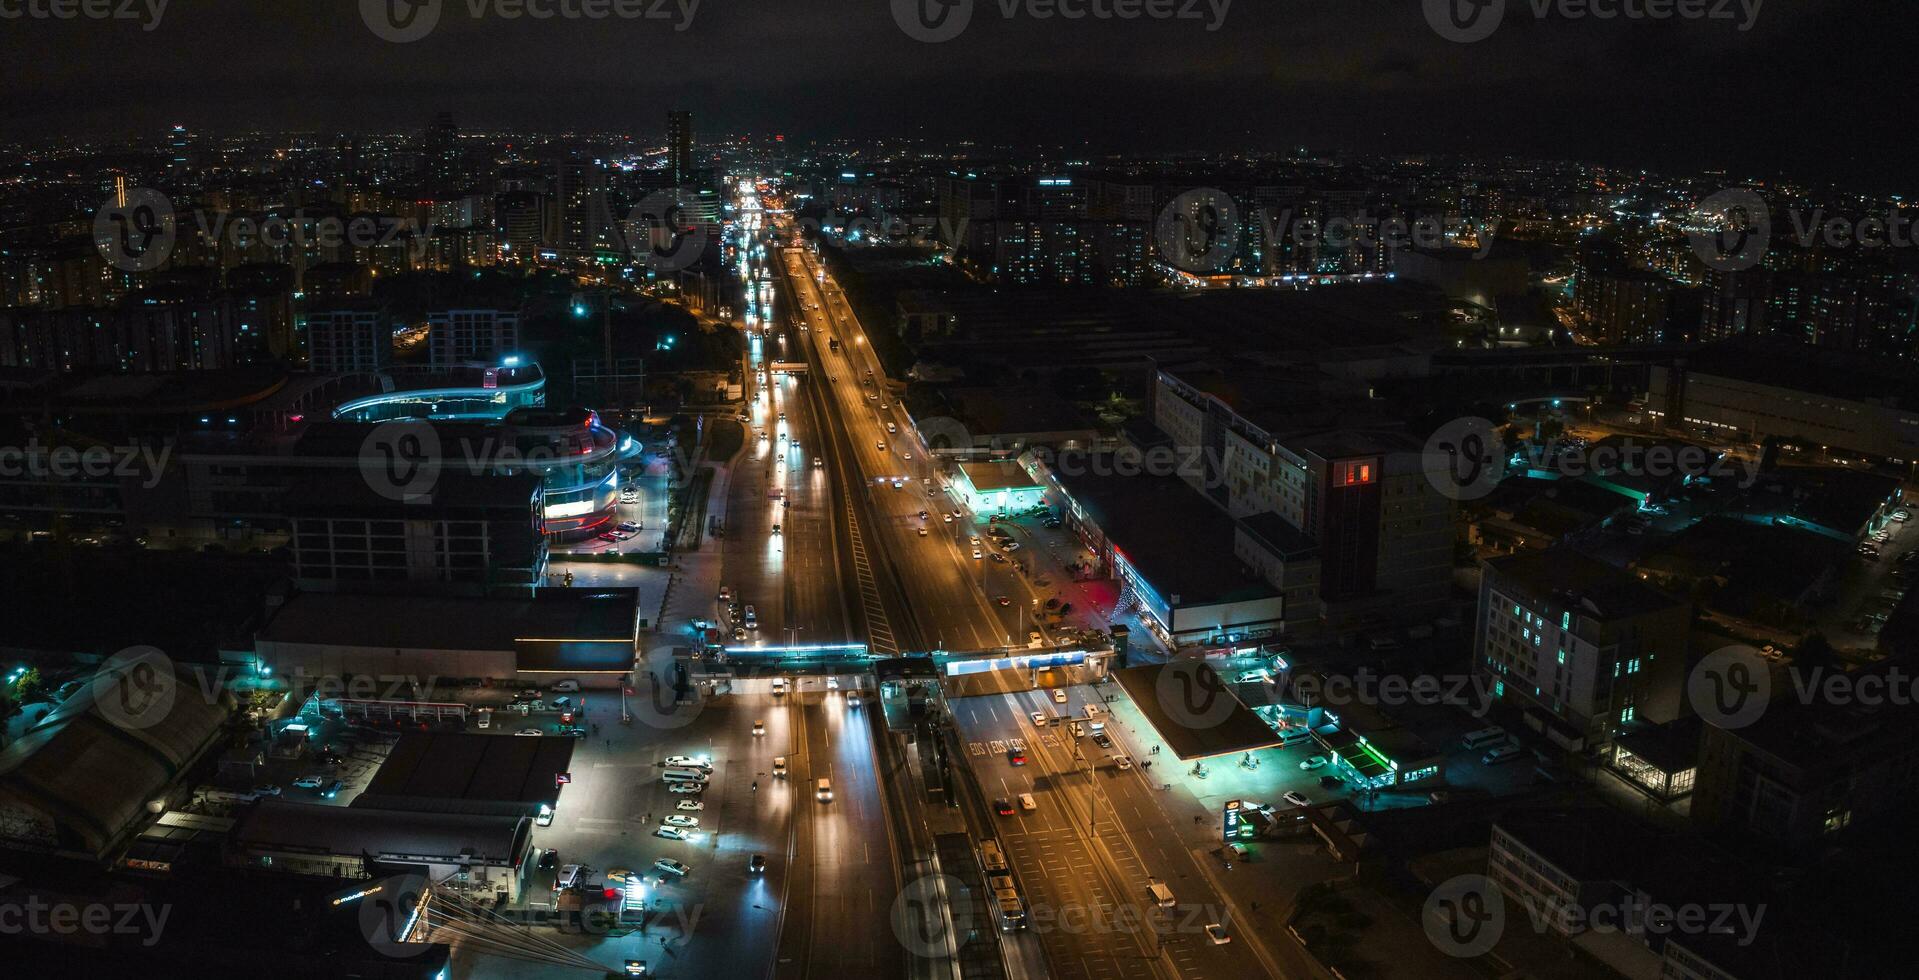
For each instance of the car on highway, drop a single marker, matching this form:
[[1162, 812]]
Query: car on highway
[[1016, 756], [1123, 762], [759, 728], [1039, 718], [1296, 798], [672, 867], [679, 820], [999, 558], [922, 532], [1059, 695], [690, 806], [779, 767], [1026, 802], [776, 529], [976, 554], [1003, 807], [948, 518], [1100, 739], [670, 833], [882, 446], [1312, 762], [1216, 934], [756, 864]]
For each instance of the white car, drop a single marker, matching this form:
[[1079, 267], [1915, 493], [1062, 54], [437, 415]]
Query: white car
[[1026, 802], [670, 833], [1297, 799], [1059, 695], [688, 762], [1312, 762], [686, 789], [309, 782], [1123, 762], [672, 867], [1216, 934], [680, 820], [691, 806], [536, 733], [977, 555], [1039, 717]]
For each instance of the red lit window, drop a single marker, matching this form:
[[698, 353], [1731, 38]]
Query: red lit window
[[1353, 473]]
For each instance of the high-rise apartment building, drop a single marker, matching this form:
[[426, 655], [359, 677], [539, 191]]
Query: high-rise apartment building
[[460, 336]]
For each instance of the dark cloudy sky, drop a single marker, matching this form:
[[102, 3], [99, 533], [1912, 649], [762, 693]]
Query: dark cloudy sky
[[1816, 88]]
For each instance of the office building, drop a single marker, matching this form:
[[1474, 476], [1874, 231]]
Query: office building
[[458, 336], [679, 146], [1582, 648], [349, 339]]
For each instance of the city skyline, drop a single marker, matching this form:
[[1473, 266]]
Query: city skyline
[[1607, 91]]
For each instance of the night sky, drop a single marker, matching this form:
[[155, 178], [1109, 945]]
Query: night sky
[[1819, 89]]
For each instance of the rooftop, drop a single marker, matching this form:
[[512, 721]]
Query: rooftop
[[998, 474], [556, 629], [1170, 534], [1586, 583], [1160, 690], [396, 835], [473, 767]]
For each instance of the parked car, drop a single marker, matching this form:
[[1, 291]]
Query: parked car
[[689, 762], [530, 731], [266, 789], [549, 858], [309, 782], [1297, 798], [1313, 762], [690, 806], [672, 867], [680, 820], [670, 833]]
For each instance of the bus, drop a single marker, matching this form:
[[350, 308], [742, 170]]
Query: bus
[[991, 859], [1484, 737], [1008, 910]]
